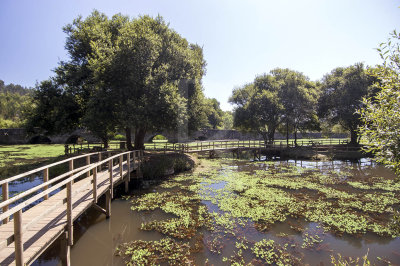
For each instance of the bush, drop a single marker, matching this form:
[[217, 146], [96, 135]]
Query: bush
[[119, 137], [159, 137]]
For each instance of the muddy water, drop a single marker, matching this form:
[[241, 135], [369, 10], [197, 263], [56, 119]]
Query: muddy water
[[96, 238]]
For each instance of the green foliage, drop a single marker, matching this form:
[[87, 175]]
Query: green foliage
[[227, 120], [380, 115], [214, 112], [159, 137], [123, 73], [283, 96], [56, 109], [15, 103], [167, 250], [342, 93], [119, 137]]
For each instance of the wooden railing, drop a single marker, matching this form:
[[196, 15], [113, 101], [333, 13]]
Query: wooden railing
[[49, 186], [231, 144]]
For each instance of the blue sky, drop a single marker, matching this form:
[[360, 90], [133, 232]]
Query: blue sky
[[240, 38]]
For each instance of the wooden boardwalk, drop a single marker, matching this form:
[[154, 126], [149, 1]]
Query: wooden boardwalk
[[32, 231]]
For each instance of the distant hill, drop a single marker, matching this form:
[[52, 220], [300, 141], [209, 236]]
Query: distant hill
[[14, 88]]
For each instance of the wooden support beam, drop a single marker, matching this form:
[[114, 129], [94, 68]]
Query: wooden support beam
[[5, 195], [45, 179], [108, 203], [69, 214], [65, 252], [100, 209], [19, 248], [95, 185]]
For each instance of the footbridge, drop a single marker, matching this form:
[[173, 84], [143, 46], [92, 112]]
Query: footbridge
[[35, 218]]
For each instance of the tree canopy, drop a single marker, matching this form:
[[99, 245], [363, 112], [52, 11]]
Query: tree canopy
[[342, 92], [281, 97], [15, 104], [133, 74]]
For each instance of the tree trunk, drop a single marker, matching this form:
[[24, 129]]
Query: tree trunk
[[271, 136], [128, 135], [353, 137], [287, 133], [265, 137], [105, 142], [295, 136], [139, 139]]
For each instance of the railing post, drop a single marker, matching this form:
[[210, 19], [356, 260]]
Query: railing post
[[99, 161], [87, 163], [69, 214], [71, 167], [121, 158], [19, 247], [5, 194], [110, 169], [134, 160], [95, 185], [45, 179]]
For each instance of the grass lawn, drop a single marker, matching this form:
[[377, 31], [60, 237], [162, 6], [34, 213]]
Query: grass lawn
[[15, 158]]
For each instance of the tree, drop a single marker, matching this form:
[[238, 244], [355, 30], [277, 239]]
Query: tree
[[55, 110], [283, 96], [299, 97], [144, 68], [132, 74], [227, 120], [380, 115], [342, 92], [15, 103], [214, 112]]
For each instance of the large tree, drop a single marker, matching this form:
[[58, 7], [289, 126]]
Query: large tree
[[380, 115], [133, 74], [299, 97], [342, 92], [282, 97]]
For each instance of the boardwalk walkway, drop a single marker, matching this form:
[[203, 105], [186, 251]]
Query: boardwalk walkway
[[34, 229]]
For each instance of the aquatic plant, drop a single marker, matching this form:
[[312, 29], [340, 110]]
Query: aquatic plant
[[166, 250], [226, 202]]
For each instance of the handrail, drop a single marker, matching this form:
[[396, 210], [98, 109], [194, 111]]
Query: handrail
[[51, 189], [10, 179], [34, 189]]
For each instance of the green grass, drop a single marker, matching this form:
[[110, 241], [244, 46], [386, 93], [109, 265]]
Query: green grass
[[19, 158]]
